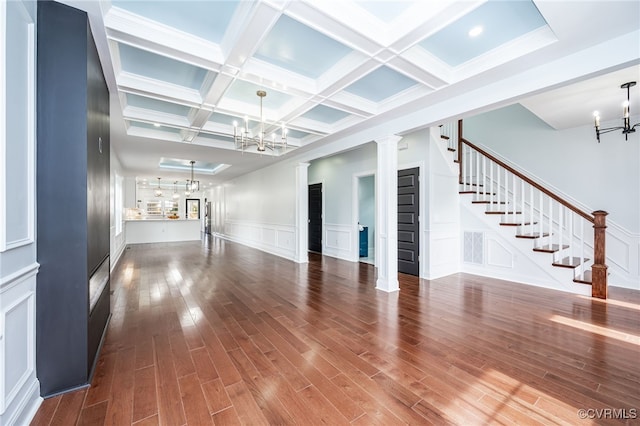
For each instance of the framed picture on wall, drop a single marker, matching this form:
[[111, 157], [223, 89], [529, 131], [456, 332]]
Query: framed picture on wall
[[193, 208]]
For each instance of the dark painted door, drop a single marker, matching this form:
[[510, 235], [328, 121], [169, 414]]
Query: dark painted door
[[408, 232], [315, 217]]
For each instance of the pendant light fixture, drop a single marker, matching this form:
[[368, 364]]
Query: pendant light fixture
[[192, 185], [175, 191], [158, 192], [626, 125]]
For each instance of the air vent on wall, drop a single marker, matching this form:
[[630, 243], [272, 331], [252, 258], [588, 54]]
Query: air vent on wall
[[473, 247]]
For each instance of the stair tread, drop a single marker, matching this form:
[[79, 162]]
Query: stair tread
[[444, 137], [487, 202], [584, 278], [517, 223], [470, 184], [550, 248], [451, 149], [500, 211], [533, 235], [570, 262]]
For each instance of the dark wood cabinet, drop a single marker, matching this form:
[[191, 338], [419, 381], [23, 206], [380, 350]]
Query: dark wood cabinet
[[72, 300]]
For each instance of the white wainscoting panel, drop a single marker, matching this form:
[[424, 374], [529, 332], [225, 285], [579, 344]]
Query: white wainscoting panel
[[498, 255], [19, 388], [272, 238], [443, 248], [337, 241]]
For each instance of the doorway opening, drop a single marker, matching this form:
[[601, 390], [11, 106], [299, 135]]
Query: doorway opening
[[366, 218], [315, 218]]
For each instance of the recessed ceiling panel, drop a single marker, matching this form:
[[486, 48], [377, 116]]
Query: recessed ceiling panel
[[149, 126], [216, 137], [244, 91], [325, 114], [156, 105], [300, 49], [296, 134], [216, 117], [204, 19], [380, 84], [147, 64], [198, 166], [386, 11], [497, 23]]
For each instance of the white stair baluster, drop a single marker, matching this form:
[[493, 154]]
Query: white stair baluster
[[531, 215], [570, 229], [561, 227], [477, 174], [498, 189], [541, 215]]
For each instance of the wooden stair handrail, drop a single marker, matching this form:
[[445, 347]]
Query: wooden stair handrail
[[599, 286]]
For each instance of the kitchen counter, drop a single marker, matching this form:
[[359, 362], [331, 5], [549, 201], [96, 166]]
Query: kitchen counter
[[161, 230]]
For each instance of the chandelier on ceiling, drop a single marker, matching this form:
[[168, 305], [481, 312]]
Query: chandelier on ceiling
[[626, 127], [175, 191], [192, 185], [158, 192], [244, 138]]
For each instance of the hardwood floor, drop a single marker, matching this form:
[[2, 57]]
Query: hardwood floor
[[216, 333]]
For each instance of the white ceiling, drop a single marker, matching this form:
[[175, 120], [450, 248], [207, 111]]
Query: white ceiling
[[180, 72]]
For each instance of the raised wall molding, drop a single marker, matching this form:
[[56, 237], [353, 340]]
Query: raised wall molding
[[272, 238]]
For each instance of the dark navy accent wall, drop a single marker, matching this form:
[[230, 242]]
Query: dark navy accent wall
[[72, 111]]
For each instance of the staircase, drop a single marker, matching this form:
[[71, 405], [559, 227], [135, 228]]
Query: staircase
[[573, 238]]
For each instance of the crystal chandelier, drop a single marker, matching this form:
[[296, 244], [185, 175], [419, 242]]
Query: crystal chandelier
[[158, 192], [244, 139], [192, 185], [626, 125]]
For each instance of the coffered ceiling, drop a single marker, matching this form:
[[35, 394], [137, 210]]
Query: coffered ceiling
[[181, 72]]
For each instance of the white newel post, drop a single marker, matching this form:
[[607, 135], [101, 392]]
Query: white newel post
[[387, 213], [302, 212]]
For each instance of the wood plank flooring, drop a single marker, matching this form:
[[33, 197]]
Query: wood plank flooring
[[213, 332]]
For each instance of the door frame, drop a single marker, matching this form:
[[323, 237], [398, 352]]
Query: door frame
[[315, 182], [355, 233]]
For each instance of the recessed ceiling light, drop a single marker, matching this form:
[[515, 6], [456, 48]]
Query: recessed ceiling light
[[475, 31], [156, 124]]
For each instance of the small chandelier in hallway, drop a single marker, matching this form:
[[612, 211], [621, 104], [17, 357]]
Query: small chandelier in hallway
[[158, 192], [243, 137], [626, 127], [192, 185]]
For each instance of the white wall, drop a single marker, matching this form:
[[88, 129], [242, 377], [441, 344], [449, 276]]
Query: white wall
[[258, 209], [19, 387]]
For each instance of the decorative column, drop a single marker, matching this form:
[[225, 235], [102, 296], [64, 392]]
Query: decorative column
[[599, 269], [387, 213], [302, 212]]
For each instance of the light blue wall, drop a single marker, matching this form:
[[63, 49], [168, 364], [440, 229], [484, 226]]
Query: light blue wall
[[604, 176]]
